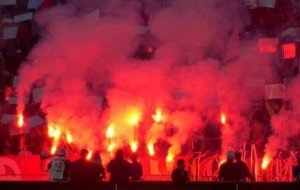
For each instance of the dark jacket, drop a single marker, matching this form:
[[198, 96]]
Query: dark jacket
[[120, 171], [82, 171], [136, 170], [180, 176], [227, 172], [242, 171]]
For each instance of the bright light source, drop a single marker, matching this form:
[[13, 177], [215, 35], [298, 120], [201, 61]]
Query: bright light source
[[288, 51]]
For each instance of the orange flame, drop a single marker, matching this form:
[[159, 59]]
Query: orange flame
[[134, 146], [110, 147], [53, 149], [52, 132], [223, 118], [157, 117], [110, 132], [265, 163], [89, 156], [170, 157], [134, 120], [69, 138], [20, 120], [151, 149]]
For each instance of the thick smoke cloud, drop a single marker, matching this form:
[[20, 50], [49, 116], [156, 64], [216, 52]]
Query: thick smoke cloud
[[80, 59]]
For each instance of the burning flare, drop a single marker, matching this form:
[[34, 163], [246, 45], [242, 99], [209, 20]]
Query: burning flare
[[150, 147], [265, 163], [89, 156], [134, 146], [157, 117], [53, 149], [223, 118], [20, 120], [110, 132], [170, 157], [69, 138]]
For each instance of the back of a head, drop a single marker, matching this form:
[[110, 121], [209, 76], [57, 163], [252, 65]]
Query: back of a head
[[180, 163], [238, 155], [84, 153], [119, 154], [230, 155], [96, 156]]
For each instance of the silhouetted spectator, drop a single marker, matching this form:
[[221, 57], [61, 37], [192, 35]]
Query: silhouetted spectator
[[136, 168], [59, 166], [82, 170], [241, 169], [296, 170], [226, 171], [100, 171], [119, 169], [180, 175]]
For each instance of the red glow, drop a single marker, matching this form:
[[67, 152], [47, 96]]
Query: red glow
[[267, 45], [289, 51]]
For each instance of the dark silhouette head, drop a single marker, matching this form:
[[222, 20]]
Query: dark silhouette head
[[119, 155], [180, 164], [238, 155], [96, 156], [298, 159], [84, 153], [230, 156]]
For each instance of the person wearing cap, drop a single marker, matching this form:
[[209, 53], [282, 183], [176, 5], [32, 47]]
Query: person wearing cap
[[119, 169], [296, 170], [242, 171], [180, 175], [226, 171], [82, 171], [59, 166]]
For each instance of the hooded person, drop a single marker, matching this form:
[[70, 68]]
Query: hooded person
[[59, 166], [227, 169]]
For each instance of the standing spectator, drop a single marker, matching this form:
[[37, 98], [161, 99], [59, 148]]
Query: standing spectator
[[82, 171], [180, 175], [226, 171], [136, 168], [59, 167], [119, 169], [100, 171], [241, 169], [296, 170]]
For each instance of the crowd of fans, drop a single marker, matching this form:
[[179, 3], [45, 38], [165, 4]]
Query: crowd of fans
[[261, 22]]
